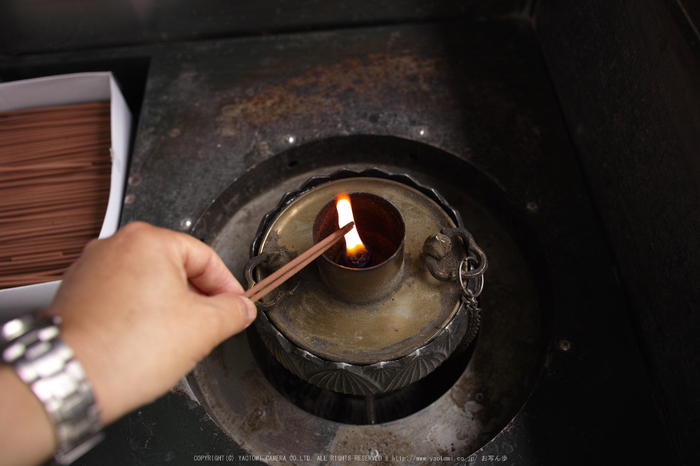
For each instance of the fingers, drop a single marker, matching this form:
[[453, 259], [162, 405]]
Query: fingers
[[205, 269], [234, 314], [207, 273]]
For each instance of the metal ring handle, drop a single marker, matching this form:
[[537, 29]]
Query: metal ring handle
[[482, 262], [478, 280], [249, 272]]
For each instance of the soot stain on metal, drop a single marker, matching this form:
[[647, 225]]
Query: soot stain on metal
[[184, 391], [262, 413], [330, 89], [381, 440]]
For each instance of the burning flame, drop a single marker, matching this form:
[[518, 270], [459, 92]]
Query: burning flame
[[353, 243]]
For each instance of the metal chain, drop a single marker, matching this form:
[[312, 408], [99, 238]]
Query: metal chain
[[472, 305], [469, 299]]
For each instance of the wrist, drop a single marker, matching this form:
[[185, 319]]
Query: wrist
[[41, 359], [26, 434], [92, 352]]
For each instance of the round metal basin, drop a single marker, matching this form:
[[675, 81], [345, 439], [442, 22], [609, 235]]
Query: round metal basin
[[479, 400]]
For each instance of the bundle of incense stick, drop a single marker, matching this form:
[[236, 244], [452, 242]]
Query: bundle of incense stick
[[55, 172], [286, 272]]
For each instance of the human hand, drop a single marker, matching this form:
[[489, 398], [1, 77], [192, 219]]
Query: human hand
[[141, 308]]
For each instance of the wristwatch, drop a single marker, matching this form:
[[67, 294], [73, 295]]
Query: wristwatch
[[32, 344]]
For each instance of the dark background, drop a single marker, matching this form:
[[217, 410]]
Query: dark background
[[626, 77]]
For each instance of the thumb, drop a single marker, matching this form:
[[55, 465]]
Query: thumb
[[236, 313]]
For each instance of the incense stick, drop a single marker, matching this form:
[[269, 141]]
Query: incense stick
[[288, 270], [55, 174]]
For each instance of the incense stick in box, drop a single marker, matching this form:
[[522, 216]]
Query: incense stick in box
[[55, 173]]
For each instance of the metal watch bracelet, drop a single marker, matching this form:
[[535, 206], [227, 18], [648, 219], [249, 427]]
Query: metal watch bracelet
[[31, 343]]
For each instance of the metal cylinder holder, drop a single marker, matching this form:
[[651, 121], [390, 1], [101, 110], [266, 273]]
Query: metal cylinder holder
[[382, 230], [378, 328]]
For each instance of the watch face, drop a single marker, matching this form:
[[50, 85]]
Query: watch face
[[15, 328]]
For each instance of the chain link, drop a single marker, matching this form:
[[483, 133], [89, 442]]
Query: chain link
[[478, 280], [472, 305]]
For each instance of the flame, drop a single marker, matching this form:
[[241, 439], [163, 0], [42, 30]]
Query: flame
[[353, 243]]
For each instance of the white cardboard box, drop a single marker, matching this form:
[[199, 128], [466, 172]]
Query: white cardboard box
[[65, 90]]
